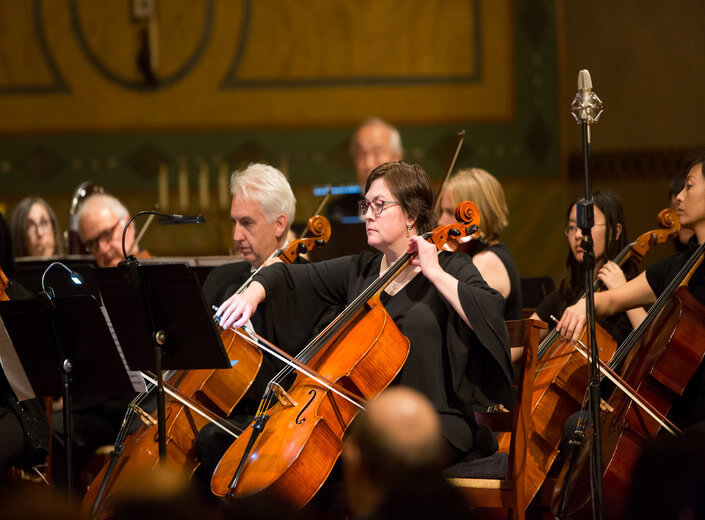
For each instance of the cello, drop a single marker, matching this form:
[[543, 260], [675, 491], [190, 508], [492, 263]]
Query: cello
[[660, 358], [562, 373], [198, 397], [291, 446]]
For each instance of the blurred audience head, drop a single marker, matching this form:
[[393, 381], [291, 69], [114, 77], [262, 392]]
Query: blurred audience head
[[375, 142], [160, 493], [101, 219], [34, 229], [396, 438]]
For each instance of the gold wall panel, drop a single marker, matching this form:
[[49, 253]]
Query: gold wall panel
[[71, 64]]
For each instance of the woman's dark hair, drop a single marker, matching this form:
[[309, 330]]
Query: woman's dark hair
[[411, 187], [573, 285], [18, 223]]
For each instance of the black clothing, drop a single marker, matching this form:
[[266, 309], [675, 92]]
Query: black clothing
[[690, 407], [24, 428], [618, 326], [222, 282], [660, 273], [459, 369], [512, 306]]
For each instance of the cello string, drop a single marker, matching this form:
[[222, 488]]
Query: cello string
[[300, 367]]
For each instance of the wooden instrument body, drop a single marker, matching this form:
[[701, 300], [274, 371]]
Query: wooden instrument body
[[300, 442], [659, 368], [217, 391]]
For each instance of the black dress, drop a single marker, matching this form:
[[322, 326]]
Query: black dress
[[513, 303], [458, 368]]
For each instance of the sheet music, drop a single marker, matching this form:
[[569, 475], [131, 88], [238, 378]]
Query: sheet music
[[135, 376], [14, 372]]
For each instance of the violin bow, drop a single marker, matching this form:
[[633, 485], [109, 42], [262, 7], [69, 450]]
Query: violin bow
[[451, 165]]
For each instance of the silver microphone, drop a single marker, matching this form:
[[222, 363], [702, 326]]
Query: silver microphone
[[586, 106]]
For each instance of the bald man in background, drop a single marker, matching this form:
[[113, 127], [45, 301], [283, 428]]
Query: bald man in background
[[375, 142], [392, 458]]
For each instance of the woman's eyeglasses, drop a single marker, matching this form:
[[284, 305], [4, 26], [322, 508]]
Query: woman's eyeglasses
[[378, 206]]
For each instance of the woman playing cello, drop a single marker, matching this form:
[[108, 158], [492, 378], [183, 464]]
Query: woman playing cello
[[644, 289], [609, 236], [452, 318]]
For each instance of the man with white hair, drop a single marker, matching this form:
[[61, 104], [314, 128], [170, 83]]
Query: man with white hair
[[262, 211], [101, 219], [375, 142]]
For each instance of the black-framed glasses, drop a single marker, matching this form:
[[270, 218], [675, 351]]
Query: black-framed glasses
[[105, 236], [378, 206]]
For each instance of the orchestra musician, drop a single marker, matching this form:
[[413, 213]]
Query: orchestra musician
[[458, 357], [609, 236], [489, 254], [375, 142], [101, 219], [24, 428], [645, 288], [262, 210], [34, 229]]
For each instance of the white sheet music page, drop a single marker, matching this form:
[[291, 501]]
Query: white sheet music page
[[135, 376]]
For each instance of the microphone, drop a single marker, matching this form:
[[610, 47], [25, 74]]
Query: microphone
[[174, 218], [586, 106]]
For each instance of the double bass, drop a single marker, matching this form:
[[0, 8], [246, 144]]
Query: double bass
[[562, 372], [198, 397], [660, 358], [292, 444]]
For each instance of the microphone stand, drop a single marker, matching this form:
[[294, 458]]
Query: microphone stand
[[159, 336], [586, 109]]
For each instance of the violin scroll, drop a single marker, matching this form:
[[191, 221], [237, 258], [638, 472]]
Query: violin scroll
[[319, 227], [467, 216]]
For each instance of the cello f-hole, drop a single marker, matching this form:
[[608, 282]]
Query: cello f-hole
[[299, 419]]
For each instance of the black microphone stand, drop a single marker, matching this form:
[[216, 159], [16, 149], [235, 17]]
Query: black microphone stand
[[586, 109]]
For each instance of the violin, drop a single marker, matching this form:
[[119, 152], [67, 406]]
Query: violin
[[562, 372], [197, 398], [294, 440], [660, 358]]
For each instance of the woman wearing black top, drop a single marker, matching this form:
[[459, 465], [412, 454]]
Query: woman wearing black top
[[489, 254], [645, 288], [609, 236], [458, 340]]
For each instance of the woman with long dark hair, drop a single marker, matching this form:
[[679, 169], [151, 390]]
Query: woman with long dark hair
[[609, 235]]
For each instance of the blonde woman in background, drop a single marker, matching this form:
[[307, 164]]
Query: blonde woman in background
[[489, 254]]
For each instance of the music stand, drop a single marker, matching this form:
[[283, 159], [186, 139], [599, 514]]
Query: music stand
[[65, 348], [162, 321]]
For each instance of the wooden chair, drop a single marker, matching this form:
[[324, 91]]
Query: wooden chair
[[509, 493]]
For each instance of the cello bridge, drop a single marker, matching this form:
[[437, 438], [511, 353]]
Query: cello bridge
[[282, 396]]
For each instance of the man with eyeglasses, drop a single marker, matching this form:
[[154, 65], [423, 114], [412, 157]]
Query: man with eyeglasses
[[375, 142], [101, 219]]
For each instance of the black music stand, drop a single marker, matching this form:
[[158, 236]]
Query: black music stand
[[65, 348], [162, 322]]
